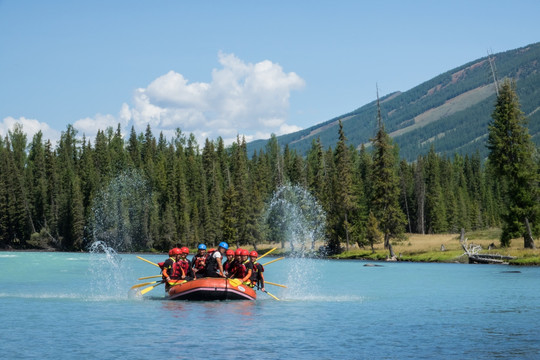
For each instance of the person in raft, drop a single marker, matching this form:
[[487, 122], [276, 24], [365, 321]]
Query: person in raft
[[245, 255], [185, 272], [167, 272], [214, 267], [237, 269], [254, 276], [228, 265], [198, 263]]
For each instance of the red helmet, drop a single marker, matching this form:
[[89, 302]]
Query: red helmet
[[238, 252], [245, 252], [175, 251], [230, 252], [185, 250], [254, 253]]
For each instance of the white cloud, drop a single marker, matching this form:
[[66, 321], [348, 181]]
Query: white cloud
[[245, 99], [30, 127], [242, 98]]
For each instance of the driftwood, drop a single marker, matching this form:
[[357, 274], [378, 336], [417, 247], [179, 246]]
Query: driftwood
[[473, 253]]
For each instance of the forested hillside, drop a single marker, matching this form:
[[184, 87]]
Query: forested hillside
[[144, 192], [449, 112]]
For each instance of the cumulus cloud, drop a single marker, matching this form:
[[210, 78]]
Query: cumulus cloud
[[250, 100], [30, 127], [242, 98]]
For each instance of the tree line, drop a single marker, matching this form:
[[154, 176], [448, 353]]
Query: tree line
[[65, 196]]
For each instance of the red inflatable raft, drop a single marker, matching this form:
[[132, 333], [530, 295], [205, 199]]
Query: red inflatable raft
[[207, 289]]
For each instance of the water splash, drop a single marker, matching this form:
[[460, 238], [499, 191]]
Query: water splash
[[118, 223], [295, 218], [107, 271], [120, 213]]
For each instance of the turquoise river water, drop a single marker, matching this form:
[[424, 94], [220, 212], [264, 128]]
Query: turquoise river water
[[78, 305]]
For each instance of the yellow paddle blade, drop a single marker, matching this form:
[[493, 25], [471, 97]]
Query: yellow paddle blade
[[281, 258], [271, 283], [145, 290], [177, 282], [235, 282], [143, 284], [148, 277], [148, 261], [272, 295], [268, 252]]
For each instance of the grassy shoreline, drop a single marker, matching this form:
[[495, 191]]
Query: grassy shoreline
[[416, 248], [428, 248]]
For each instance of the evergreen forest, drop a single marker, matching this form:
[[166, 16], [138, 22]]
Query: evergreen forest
[[152, 193]]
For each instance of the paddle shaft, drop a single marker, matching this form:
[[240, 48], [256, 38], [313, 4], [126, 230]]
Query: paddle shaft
[[148, 277], [268, 252], [148, 261], [271, 283], [281, 258], [144, 284], [145, 290]]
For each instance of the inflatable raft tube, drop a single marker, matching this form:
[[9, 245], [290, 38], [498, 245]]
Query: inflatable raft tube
[[208, 289]]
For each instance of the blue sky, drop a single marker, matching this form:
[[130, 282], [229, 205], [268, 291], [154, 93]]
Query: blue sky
[[222, 68]]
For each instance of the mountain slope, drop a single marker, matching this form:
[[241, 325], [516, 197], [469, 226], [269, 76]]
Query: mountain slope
[[450, 111]]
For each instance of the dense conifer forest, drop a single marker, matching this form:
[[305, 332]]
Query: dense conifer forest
[[154, 192]]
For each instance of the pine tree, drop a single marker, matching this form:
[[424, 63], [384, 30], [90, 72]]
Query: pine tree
[[385, 187], [511, 154], [315, 169], [373, 234], [134, 149], [420, 195], [51, 205], [4, 212], [37, 180], [435, 206], [117, 153], [345, 198], [77, 221], [229, 226]]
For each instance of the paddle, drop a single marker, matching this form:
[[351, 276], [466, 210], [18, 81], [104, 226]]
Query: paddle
[[281, 258], [177, 282], [148, 261], [145, 290], [268, 252], [270, 294], [144, 284], [149, 277], [271, 283]]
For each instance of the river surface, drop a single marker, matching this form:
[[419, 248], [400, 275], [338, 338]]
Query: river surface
[[78, 305]]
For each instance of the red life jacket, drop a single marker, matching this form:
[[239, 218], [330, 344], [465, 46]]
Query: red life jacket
[[184, 264], [200, 262], [228, 266], [176, 270], [240, 270], [237, 269]]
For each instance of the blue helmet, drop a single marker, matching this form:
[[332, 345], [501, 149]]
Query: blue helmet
[[224, 245], [202, 247]]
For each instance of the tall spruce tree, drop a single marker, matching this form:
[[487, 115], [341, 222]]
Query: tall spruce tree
[[511, 155], [385, 186], [346, 202]]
